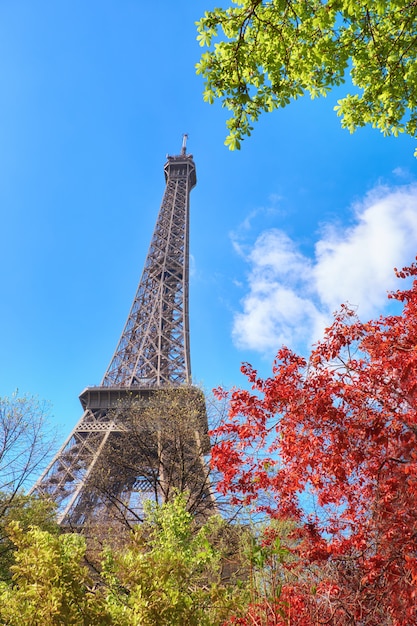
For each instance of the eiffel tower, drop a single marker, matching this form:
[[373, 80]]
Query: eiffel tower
[[144, 429]]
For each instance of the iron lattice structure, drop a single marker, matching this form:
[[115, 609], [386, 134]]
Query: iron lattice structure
[[154, 348], [144, 429]]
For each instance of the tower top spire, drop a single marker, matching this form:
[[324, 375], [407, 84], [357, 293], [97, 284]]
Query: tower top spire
[[184, 143], [154, 349]]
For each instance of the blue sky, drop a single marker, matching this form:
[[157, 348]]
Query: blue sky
[[93, 95]]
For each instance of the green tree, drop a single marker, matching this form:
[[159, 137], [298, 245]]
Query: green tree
[[50, 586], [28, 511], [170, 572], [269, 52], [170, 575]]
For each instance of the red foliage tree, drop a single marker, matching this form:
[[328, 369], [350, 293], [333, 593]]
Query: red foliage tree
[[330, 442]]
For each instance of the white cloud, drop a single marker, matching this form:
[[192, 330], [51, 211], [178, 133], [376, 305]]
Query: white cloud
[[291, 297], [402, 172]]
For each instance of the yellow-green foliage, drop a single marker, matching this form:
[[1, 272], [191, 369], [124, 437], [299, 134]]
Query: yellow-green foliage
[[50, 586], [28, 511], [171, 572], [169, 575]]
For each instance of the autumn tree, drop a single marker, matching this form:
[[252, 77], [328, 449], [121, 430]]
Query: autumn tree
[[330, 442], [261, 54]]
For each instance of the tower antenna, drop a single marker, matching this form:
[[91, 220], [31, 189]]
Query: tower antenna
[[184, 143]]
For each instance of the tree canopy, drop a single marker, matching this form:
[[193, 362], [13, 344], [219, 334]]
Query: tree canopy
[[261, 54], [170, 571], [331, 442]]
